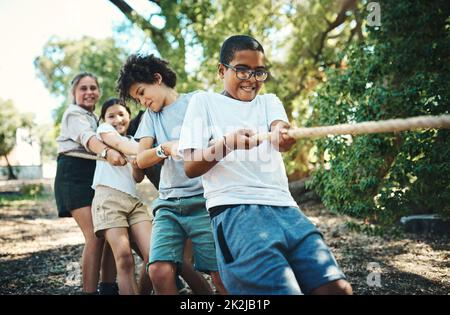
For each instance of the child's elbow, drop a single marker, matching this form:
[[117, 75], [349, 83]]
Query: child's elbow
[[138, 175], [140, 161], [190, 173], [190, 170]]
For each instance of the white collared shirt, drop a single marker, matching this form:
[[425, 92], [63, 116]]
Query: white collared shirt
[[78, 125]]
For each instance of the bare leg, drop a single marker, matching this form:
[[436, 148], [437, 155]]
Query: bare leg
[[145, 286], [141, 233], [108, 270], [162, 274], [92, 251], [338, 287], [194, 279], [218, 283], [120, 245]]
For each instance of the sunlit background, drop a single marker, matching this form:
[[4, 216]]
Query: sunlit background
[[26, 26]]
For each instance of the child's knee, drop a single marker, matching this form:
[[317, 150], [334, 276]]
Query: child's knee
[[161, 272], [339, 287], [124, 261], [94, 242], [217, 281], [345, 287], [215, 277]]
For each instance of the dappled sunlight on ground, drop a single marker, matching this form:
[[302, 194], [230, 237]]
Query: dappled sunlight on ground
[[40, 253], [404, 264]]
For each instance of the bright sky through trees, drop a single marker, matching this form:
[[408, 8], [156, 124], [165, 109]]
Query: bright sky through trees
[[26, 25]]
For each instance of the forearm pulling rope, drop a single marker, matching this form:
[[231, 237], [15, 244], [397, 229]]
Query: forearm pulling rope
[[390, 125]]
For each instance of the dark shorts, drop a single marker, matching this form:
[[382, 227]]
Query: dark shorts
[[73, 184]]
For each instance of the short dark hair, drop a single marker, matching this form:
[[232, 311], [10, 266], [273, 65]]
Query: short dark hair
[[237, 43], [142, 69], [110, 102]]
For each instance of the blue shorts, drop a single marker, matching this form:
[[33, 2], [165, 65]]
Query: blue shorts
[[177, 219], [263, 250]]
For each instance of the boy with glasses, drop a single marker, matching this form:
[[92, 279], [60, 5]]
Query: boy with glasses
[[264, 243]]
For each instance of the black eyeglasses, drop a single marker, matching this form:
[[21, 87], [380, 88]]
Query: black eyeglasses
[[246, 74]]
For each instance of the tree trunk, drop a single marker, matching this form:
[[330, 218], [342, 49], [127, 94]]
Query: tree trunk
[[11, 174]]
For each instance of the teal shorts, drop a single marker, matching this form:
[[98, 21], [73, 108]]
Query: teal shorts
[[178, 219]]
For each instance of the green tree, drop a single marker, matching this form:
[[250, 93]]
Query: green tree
[[172, 41], [11, 120], [63, 59], [402, 70], [300, 38]]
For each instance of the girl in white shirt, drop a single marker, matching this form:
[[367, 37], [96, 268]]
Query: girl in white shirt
[[118, 213]]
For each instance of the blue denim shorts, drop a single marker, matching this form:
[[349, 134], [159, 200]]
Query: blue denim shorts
[[177, 219], [264, 250]]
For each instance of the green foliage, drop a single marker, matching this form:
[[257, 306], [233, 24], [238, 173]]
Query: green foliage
[[32, 190], [11, 119], [23, 194], [296, 36], [402, 70], [300, 38], [63, 59]]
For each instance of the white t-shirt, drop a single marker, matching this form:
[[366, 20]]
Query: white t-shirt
[[255, 176], [117, 177]]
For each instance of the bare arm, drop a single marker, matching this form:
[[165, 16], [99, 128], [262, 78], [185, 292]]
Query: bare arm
[[96, 145], [199, 161], [147, 154], [138, 174], [116, 142], [113, 156]]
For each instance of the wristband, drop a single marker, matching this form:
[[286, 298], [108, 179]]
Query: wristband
[[104, 153], [160, 152]]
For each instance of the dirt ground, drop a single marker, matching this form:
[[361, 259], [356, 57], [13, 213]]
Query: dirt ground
[[40, 253]]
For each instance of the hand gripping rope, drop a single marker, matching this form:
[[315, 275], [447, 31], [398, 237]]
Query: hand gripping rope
[[390, 125]]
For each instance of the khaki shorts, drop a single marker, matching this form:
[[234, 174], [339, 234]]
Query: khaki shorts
[[112, 208]]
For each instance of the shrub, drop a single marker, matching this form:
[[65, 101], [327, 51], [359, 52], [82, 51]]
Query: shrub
[[402, 70]]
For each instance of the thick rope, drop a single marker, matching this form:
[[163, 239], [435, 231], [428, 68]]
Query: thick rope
[[88, 156], [390, 125], [83, 155]]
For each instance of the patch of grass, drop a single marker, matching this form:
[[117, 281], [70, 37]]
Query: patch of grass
[[30, 192]]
